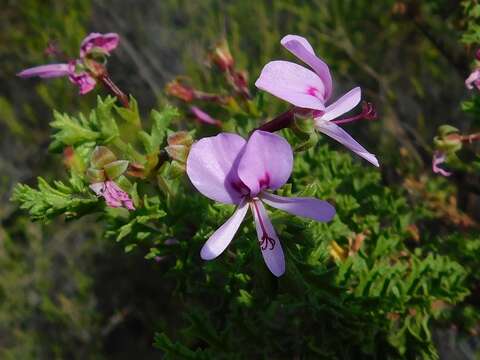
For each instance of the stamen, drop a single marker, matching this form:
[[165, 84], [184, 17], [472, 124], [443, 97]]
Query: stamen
[[265, 239], [369, 112]]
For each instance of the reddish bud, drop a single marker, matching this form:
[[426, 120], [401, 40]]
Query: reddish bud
[[222, 57], [183, 92]]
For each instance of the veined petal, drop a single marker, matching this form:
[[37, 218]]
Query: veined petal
[[337, 133], [104, 42], [84, 81], [212, 167], [293, 83], [301, 48], [220, 239], [46, 71], [346, 103], [270, 246], [311, 208], [266, 162]]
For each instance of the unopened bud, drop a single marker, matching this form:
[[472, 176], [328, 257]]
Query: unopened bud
[[178, 152], [180, 138], [222, 57], [102, 156], [116, 168], [183, 92], [95, 175]]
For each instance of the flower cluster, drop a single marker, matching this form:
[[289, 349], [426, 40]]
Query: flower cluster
[[227, 168], [86, 69]]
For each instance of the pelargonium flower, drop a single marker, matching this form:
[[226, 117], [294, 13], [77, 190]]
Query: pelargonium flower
[[228, 169], [439, 158], [82, 71], [114, 196], [312, 90]]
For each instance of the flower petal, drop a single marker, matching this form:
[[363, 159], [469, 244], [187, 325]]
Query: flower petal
[[301, 48], [203, 117], [84, 81], [293, 83], [104, 42], [346, 103], [46, 71], [337, 133], [311, 208], [266, 162], [211, 167], [438, 159], [220, 239], [272, 251]]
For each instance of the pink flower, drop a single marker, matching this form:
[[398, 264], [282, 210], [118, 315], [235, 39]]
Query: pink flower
[[473, 80], [203, 117], [113, 195], [228, 169], [312, 90], [77, 70], [438, 159]]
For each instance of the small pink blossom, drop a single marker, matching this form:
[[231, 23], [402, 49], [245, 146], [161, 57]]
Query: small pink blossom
[[438, 159], [230, 170], [77, 70], [113, 195], [473, 80], [311, 90]]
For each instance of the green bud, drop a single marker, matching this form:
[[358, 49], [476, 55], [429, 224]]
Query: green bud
[[95, 175], [102, 156], [447, 145], [178, 152], [116, 168], [180, 138]]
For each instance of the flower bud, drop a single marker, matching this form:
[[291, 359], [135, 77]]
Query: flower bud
[[183, 92], [102, 156], [180, 138], [222, 57], [95, 175], [178, 152], [115, 168]]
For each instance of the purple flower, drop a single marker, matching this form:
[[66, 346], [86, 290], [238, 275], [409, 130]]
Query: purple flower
[[228, 169], [312, 90], [113, 195], [79, 71], [473, 80], [438, 159]]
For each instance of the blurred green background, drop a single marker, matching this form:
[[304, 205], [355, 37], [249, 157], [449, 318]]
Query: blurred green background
[[67, 293]]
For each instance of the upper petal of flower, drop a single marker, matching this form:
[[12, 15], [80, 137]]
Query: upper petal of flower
[[105, 42], [220, 239], [311, 208], [346, 103], [212, 167], [301, 48], [293, 83], [272, 251], [266, 162], [336, 132], [46, 71]]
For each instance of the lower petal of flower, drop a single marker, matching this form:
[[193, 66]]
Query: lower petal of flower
[[337, 133], [220, 239], [272, 251]]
